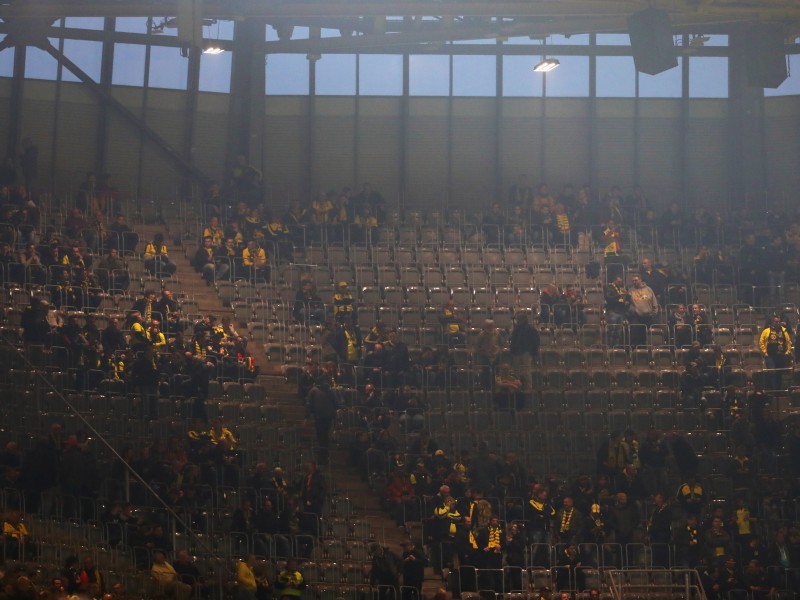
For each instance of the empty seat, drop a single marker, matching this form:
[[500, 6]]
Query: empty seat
[[409, 276], [386, 275], [393, 295], [643, 399], [416, 296], [581, 378], [371, 295], [620, 398], [575, 399], [527, 296]]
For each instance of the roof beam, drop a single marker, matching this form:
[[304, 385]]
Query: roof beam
[[125, 113], [227, 9]]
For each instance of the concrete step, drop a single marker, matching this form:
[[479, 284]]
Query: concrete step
[[346, 481]]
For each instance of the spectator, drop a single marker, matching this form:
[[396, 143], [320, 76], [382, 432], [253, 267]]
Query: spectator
[[618, 302], [112, 272], [385, 571], [208, 262], [76, 227], [452, 324], [246, 585], [414, 563], [92, 581], [716, 542], [308, 306], [539, 513], [524, 348], [398, 363], [254, 261], [756, 582], [680, 326], [17, 542], [487, 347], [507, 389], [166, 577], [776, 348], [400, 497], [290, 584], [643, 309], [322, 405], [626, 519], [568, 523], [121, 236], [70, 575], [189, 574], [156, 258]]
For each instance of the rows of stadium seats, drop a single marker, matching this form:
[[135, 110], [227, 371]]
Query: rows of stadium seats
[[467, 256]]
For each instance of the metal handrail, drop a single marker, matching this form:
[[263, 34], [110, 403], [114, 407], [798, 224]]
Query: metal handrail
[[643, 583]]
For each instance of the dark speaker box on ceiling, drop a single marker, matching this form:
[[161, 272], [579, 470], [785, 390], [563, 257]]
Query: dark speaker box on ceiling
[[766, 55], [651, 41]]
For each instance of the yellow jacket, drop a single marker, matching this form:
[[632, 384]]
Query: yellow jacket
[[138, 333], [216, 234], [18, 532], [151, 252], [257, 258], [223, 433], [245, 576], [769, 337], [158, 340]]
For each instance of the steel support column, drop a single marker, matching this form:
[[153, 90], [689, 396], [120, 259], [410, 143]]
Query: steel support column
[[498, 129], [311, 132], [15, 103], [683, 161], [357, 129], [747, 156], [449, 191], [246, 114], [106, 69], [190, 110], [403, 158], [591, 131]]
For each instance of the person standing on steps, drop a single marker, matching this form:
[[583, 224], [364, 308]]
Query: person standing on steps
[[524, 348], [414, 563], [322, 404]]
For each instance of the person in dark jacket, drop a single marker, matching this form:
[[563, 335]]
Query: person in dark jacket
[[539, 514], [516, 541], [145, 377], [34, 322], [322, 405], [70, 575], [524, 348], [384, 572], [399, 362], [414, 563], [308, 306]]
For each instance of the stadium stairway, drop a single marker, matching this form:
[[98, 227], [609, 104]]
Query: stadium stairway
[[343, 481]]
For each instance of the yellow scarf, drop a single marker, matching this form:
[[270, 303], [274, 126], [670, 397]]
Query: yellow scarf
[[566, 519]]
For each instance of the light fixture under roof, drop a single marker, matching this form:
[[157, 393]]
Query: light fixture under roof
[[547, 65], [213, 48]]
